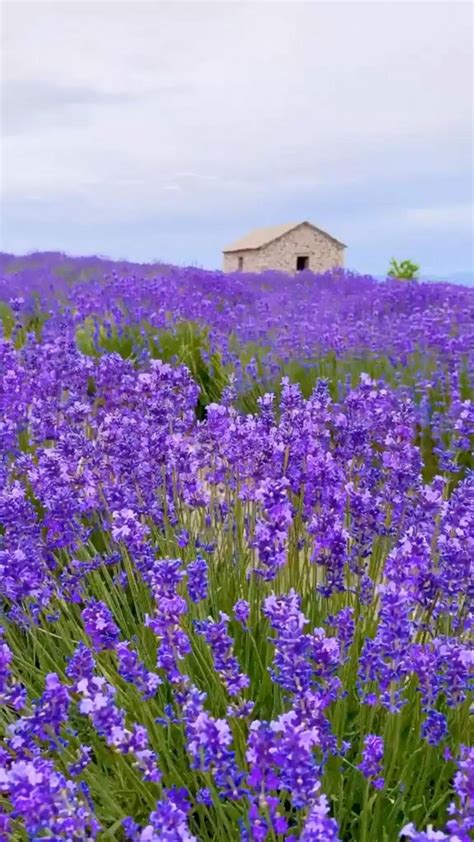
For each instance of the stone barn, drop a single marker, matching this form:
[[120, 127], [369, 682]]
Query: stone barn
[[286, 248]]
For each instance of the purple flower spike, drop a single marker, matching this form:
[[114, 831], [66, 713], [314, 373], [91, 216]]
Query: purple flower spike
[[132, 670], [319, 827], [11, 692], [100, 625], [220, 643], [435, 727], [372, 760], [81, 664], [46, 801], [197, 580], [242, 612], [168, 822]]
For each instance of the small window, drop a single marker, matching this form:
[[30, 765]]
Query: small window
[[240, 263], [302, 262]]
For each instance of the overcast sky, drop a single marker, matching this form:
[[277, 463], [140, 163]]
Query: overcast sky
[[150, 130]]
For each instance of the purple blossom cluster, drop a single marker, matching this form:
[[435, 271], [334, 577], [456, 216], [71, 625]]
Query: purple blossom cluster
[[242, 611], [167, 822], [197, 573], [11, 692], [319, 826], [170, 607], [226, 664], [97, 701], [100, 626], [46, 801], [210, 742], [133, 670], [372, 760]]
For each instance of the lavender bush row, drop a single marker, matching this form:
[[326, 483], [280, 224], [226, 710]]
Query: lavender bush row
[[259, 328], [250, 626], [294, 316], [291, 319]]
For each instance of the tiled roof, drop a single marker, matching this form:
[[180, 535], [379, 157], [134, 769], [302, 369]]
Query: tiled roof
[[261, 236]]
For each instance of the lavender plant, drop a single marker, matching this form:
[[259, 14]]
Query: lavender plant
[[229, 624]]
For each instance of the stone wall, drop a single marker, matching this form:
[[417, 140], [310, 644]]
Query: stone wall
[[281, 254], [231, 261]]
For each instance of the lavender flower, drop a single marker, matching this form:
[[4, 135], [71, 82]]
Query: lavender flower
[[221, 644], [132, 670], [197, 573], [292, 668], [81, 664], [97, 702], [209, 743], [271, 531], [83, 760], [100, 625], [428, 835], [435, 727], [319, 827], [242, 611], [203, 796], [344, 624], [174, 644], [169, 820], [46, 801], [462, 821], [259, 825], [371, 764], [11, 692]]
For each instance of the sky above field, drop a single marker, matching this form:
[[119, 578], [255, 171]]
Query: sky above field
[[149, 130]]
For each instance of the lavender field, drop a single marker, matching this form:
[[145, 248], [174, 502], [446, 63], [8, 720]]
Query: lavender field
[[236, 543]]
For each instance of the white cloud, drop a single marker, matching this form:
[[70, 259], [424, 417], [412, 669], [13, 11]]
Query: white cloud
[[457, 216], [245, 92], [200, 176], [202, 110]]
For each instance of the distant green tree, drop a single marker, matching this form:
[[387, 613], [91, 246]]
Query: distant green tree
[[405, 270]]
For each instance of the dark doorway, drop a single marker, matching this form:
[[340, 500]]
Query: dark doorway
[[302, 263], [240, 264]]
